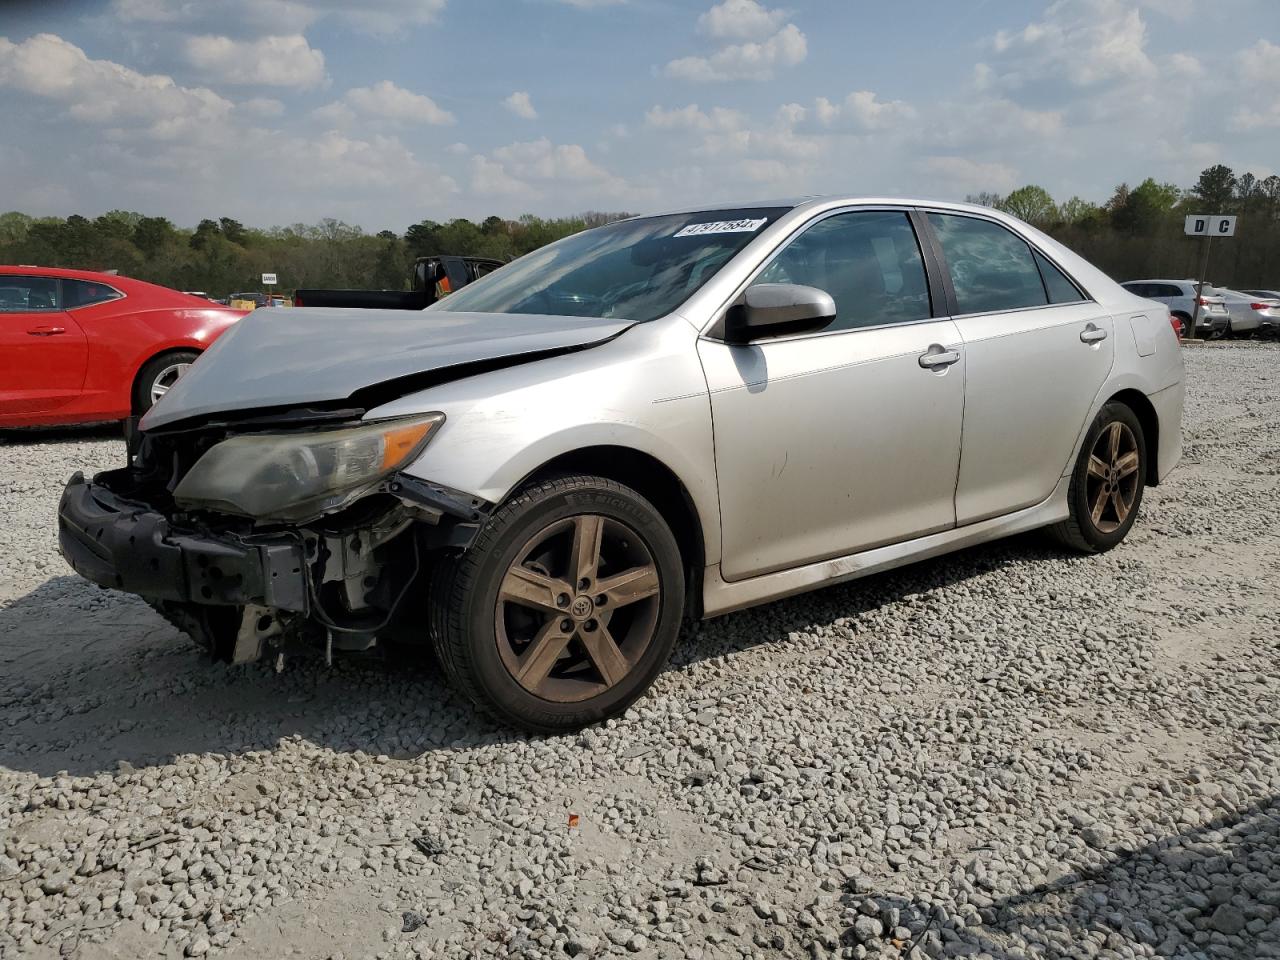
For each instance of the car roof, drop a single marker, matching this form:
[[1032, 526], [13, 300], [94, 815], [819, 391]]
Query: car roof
[[64, 273], [836, 198]]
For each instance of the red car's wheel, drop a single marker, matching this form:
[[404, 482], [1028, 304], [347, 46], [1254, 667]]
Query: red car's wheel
[[156, 377]]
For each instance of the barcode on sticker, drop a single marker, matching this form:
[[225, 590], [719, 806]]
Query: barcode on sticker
[[723, 226]]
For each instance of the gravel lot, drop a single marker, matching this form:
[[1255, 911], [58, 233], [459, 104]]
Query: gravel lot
[[1009, 752]]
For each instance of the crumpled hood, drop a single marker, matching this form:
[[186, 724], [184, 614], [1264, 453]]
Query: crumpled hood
[[277, 357]]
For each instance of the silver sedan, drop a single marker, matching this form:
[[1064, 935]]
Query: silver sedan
[[673, 416]]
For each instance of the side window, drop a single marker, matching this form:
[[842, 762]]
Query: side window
[[1172, 290], [991, 268], [84, 293], [868, 261], [1060, 288], [26, 294]]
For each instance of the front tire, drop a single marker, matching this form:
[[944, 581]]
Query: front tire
[[565, 607], [156, 377], [1108, 482]]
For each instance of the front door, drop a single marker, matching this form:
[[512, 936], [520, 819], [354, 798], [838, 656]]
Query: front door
[[1037, 352], [838, 441], [43, 351]]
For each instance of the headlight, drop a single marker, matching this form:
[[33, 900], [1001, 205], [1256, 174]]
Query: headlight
[[291, 476]]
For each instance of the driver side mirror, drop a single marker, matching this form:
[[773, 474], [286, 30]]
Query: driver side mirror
[[777, 309]]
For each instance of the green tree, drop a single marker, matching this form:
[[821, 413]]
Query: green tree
[[152, 233], [1032, 204], [1215, 189], [233, 230], [205, 231]]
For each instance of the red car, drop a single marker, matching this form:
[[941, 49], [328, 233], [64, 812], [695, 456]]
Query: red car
[[77, 346]]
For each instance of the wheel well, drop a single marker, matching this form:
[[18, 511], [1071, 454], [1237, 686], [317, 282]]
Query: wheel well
[[655, 481], [1137, 402], [133, 387]]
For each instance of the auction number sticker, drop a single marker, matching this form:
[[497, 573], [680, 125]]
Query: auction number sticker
[[723, 226]]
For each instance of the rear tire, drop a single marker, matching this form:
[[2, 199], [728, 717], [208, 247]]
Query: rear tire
[[1107, 483], [157, 375], [565, 607]]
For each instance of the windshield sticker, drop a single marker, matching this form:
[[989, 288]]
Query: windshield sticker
[[723, 226]]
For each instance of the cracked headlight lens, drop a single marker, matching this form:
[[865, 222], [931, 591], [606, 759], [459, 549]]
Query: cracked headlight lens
[[291, 476]]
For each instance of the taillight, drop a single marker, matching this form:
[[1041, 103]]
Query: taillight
[[1203, 301], [1176, 324], [1261, 306]]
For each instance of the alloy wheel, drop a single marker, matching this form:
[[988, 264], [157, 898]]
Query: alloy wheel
[[165, 379], [577, 608], [1112, 478]]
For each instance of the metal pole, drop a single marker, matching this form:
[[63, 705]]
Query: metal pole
[[1204, 270]]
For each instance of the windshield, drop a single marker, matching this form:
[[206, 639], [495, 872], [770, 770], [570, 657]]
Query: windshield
[[632, 270]]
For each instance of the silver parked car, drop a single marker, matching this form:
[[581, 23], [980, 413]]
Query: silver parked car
[[1253, 312], [669, 416], [1180, 297]]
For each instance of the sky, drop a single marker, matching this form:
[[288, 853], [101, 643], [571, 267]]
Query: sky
[[386, 112]]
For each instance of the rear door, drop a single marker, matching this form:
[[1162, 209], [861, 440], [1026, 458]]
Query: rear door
[[839, 441], [1037, 352], [43, 351]]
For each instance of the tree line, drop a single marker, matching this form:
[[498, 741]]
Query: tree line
[[223, 256], [1137, 233]]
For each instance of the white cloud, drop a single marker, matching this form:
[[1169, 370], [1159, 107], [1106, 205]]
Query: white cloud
[[741, 20], [744, 61], [692, 118], [389, 102], [490, 178], [253, 17], [265, 107], [543, 160], [961, 175], [863, 110], [1259, 89], [278, 61], [521, 104], [592, 4], [1083, 42], [106, 93]]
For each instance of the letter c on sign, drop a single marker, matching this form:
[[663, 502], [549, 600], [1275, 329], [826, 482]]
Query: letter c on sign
[[1224, 226]]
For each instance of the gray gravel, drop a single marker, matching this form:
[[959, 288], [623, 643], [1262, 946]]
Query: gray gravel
[[1010, 752]]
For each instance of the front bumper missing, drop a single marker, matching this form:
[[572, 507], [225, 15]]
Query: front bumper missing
[[131, 547]]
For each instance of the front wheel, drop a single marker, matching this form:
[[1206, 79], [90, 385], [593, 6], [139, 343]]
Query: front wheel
[[564, 609], [1107, 484], [156, 377]]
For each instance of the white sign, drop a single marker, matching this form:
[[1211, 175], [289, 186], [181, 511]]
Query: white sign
[[723, 226], [268, 279], [1201, 225]]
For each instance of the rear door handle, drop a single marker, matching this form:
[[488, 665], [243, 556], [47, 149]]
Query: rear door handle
[[45, 331], [937, 357], [1092, 334]]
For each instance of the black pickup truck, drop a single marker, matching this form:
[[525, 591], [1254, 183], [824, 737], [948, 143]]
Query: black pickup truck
[[433, 278]]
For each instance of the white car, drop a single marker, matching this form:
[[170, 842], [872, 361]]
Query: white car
[[679, 415], [1180, 297], [1254, 311]]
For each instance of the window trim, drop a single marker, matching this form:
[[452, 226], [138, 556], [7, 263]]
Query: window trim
[[57, 282], [62, 298], [954, 304], [715, 329]]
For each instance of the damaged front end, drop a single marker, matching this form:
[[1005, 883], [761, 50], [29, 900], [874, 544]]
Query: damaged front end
[[272, 535]]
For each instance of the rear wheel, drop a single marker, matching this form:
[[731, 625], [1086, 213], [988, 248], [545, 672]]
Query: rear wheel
[[1108, 482], [565, 608], [156, 377], [1184, 323]]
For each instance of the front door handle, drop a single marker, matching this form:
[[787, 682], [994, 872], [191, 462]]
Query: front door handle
[[1092, 334], [45, 331], [938, 357]]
